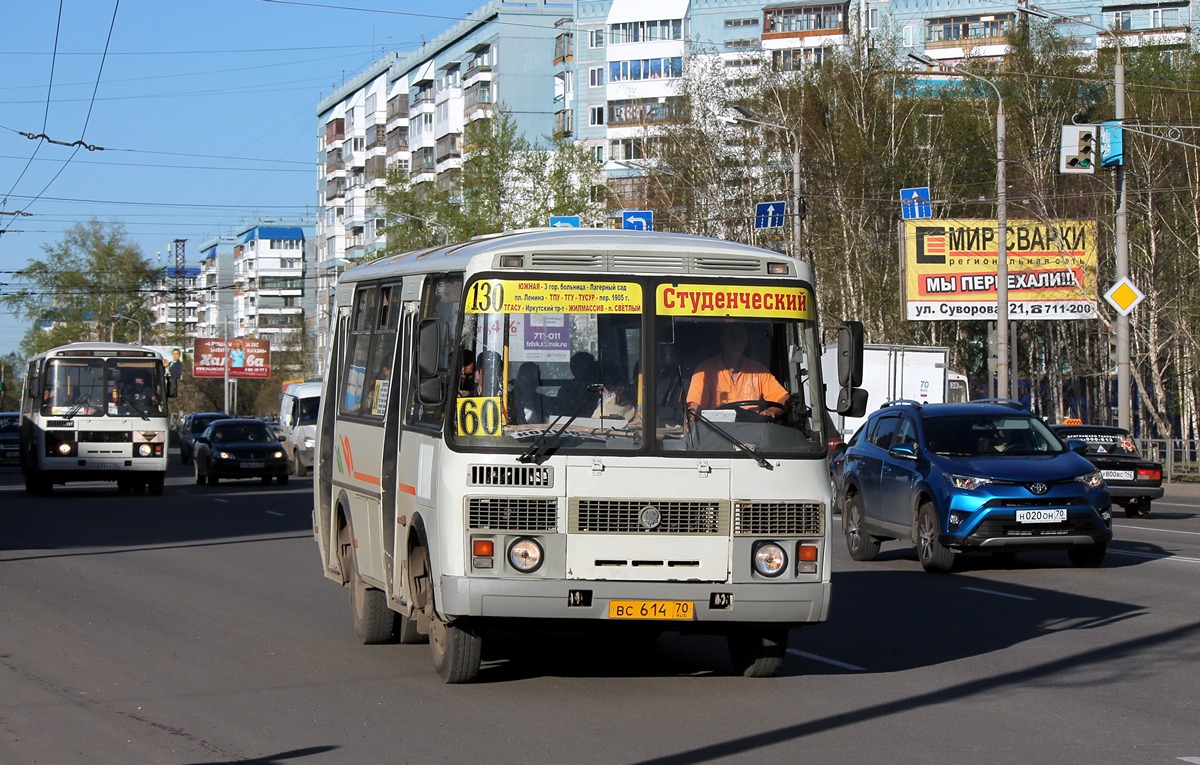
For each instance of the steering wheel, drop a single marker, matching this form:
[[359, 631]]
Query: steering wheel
[[747, 415]]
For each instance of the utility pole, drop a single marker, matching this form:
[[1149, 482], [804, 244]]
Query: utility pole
[[180, 274]]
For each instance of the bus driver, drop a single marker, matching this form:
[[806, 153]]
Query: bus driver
[[729, 376]]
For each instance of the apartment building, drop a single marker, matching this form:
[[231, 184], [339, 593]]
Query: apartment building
[[270, 300], [408, 113], [175, 303], [214, 287]]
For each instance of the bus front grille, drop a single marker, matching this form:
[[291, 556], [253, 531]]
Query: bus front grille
[[512, 514], [778, 518], [645, 516], [540, 476]]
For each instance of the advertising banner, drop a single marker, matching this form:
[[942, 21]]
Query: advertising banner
[[950, 269], [249, 358]]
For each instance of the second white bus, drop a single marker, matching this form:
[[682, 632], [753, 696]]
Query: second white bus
[[96, 412]]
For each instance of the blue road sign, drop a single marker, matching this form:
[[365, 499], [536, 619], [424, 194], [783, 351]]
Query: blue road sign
[[770, 214], [914, 203], [638, 220], [565, 221]]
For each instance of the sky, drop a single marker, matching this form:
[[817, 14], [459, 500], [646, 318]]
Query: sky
[[182, 119]]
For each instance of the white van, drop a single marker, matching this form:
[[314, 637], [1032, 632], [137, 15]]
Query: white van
[[298, 418]]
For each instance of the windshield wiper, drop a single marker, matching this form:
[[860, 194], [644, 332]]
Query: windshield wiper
[[134, 407], [75, 409], [762, 463], [545, 442]]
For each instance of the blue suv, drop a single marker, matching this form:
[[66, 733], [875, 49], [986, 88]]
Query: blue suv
[[984, 476]]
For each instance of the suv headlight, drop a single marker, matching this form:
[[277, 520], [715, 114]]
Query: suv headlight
[[966, 482], [1092, 480]]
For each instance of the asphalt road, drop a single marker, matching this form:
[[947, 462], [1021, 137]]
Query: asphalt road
[[196, 628]]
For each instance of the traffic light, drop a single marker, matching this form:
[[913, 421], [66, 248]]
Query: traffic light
[[1077, 154]]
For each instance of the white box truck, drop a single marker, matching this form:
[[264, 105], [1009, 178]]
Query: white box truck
[[298, 418], [890, 372]]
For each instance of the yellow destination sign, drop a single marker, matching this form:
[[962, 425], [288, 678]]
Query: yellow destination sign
[[737, 300], [558, 296]]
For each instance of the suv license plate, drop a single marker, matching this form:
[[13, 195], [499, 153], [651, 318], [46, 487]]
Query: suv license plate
[[1049, 515], [652, 609]]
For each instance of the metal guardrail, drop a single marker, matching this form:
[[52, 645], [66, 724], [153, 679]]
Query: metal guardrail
[[1180, 457]]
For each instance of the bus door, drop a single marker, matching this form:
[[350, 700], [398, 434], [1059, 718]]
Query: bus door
[[419, 444]]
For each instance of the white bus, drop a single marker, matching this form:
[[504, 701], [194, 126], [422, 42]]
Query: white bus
[[505, 439], [95, 412]]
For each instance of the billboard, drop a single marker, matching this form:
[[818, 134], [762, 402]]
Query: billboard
[[950, 269], [248, 358]]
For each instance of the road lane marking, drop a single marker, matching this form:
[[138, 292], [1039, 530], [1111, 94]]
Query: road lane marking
[[218, 499], [823, 660], [272, 512], [1193, 760], [1165, 531], [1155, 556], [1001, 594]]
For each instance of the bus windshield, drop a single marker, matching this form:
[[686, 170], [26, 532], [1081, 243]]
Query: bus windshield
[[92, 386], [563, 358]]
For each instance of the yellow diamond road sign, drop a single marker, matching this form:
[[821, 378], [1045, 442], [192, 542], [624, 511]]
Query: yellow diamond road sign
[[1124, 296]]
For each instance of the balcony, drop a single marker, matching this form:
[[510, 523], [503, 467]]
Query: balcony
[[397, 108], [564, 123]]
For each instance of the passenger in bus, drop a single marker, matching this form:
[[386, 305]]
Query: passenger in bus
[[528, 405], [616, 400], [466, 379], [729, 376], [574, 395]]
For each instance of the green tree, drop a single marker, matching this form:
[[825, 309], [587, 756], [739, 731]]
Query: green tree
[[505, 182], [91, 276]]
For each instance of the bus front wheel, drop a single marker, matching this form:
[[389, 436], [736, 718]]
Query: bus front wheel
[[157, 482], [758, 652]]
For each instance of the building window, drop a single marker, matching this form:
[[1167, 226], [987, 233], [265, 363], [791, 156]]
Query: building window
[[596, 115], [647, 68], [810, 18], [741, 22], [795, 59], [907, 36], [956, 28], [741, 44], [873, 19], [596, 77], [1165, 18], [598, 153], [1122, 20], [645, 31], [596, 38]]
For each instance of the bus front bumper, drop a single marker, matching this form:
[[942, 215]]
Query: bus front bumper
[[713, 602]]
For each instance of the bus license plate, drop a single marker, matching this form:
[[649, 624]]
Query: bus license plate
[[1049, 515], [684, 610]]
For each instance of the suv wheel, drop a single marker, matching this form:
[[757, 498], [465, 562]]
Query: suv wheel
[[933, 554], [861, 545]]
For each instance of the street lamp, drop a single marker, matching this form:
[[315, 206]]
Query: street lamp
[[1007, 388], [746, 114], [126, 318], [1121, 243]]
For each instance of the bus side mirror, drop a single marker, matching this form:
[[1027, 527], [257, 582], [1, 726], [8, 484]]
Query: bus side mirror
[[850, 354], [430, 388], [851, 400]]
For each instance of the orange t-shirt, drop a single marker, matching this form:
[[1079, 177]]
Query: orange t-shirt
[[713, 385]]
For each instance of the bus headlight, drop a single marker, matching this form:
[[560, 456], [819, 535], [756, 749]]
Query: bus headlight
[[769, 559], [525, 555], [65, 449], [145, 450]]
